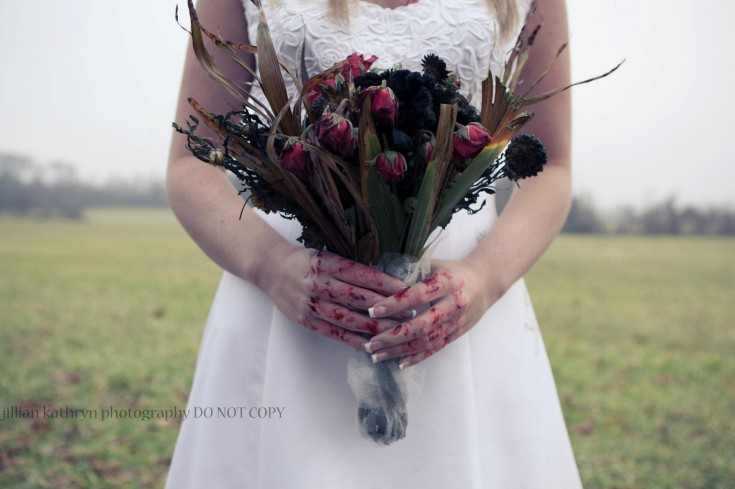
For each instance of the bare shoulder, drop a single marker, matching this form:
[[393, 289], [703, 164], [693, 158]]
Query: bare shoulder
[[227, 14], [551, 15]]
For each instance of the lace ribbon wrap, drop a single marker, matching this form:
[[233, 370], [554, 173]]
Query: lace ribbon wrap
[[382, 389]]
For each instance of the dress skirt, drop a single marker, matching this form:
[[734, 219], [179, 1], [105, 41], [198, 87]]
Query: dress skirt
[[270, 406]]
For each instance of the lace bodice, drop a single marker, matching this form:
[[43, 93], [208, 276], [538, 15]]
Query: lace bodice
[[462, 32]]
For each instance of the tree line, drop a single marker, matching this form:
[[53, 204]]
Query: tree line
[[664, 217], [56, 190]]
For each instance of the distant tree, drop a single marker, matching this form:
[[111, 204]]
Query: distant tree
[[661, 218], [626, 221], [15, 170], [60, 191], [56, 189], [583, 218]]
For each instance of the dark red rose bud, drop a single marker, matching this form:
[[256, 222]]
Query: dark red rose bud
[[425, 151], [384, 104], [295, 158], [357, 65], [469, 140], [391, 166], [335, 133], [317, 91]]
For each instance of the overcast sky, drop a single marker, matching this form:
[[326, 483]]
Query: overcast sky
[[94, 83]]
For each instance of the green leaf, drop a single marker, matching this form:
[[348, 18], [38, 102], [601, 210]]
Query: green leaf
[[384, 208], [432, 183], [464, 182]]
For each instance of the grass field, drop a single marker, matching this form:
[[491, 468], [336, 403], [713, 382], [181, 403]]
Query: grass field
[[107, 312]]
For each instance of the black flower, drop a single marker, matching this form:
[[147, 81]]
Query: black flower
[[367, 79], [525, 157], [434, 65]]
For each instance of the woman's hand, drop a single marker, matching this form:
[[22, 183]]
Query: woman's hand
[[327, 293], [457, 295]]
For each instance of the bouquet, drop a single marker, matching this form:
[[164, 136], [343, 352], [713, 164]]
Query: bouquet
[[370, 163]]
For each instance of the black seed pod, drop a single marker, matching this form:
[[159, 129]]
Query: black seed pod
[[434, 65], [525, 157]]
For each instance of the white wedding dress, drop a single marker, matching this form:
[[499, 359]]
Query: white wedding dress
[[488, 415]]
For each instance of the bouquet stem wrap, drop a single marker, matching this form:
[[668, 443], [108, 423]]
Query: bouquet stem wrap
[[382, 388]]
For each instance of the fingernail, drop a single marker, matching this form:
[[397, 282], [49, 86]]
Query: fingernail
[[376, 312], [409, 314], [403, 365], [379, 357], [372, 346]]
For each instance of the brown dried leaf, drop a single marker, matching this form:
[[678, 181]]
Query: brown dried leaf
[[274, 87]]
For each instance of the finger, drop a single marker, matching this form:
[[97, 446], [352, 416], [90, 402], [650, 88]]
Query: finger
[[349, 319], [407, 314], [356, 274], [416, 358], [426, 345], [419, 327], [334, 332], [348, 295], [410, 347], [414, 297]]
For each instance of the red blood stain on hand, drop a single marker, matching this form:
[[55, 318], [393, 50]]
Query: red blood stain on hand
[[347, 267], [317, 267], [402, 295], [409, 346], [372, 326], [436, 316], [432, 284], [355, 295], [337, 314], [401, 328]]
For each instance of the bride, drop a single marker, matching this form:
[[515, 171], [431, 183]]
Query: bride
[[488, 415]]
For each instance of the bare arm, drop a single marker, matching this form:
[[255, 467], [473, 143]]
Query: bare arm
[[202, 198], [461, 291], [208, 207], [538, 209]]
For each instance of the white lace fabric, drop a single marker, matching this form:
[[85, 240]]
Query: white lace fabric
[[461, 32]]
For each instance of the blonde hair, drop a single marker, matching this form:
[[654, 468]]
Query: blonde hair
[[505, 10]]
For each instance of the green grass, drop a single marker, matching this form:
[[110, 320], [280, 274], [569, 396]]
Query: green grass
[[640, 334], [109, 312], [98, 313]]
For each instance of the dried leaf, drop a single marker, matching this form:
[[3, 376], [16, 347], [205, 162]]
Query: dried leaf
[[207, 62], [549, 94], [270, 69]]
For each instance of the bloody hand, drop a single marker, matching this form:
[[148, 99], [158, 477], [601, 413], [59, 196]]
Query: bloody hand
[[329, 294], [454, 301]]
